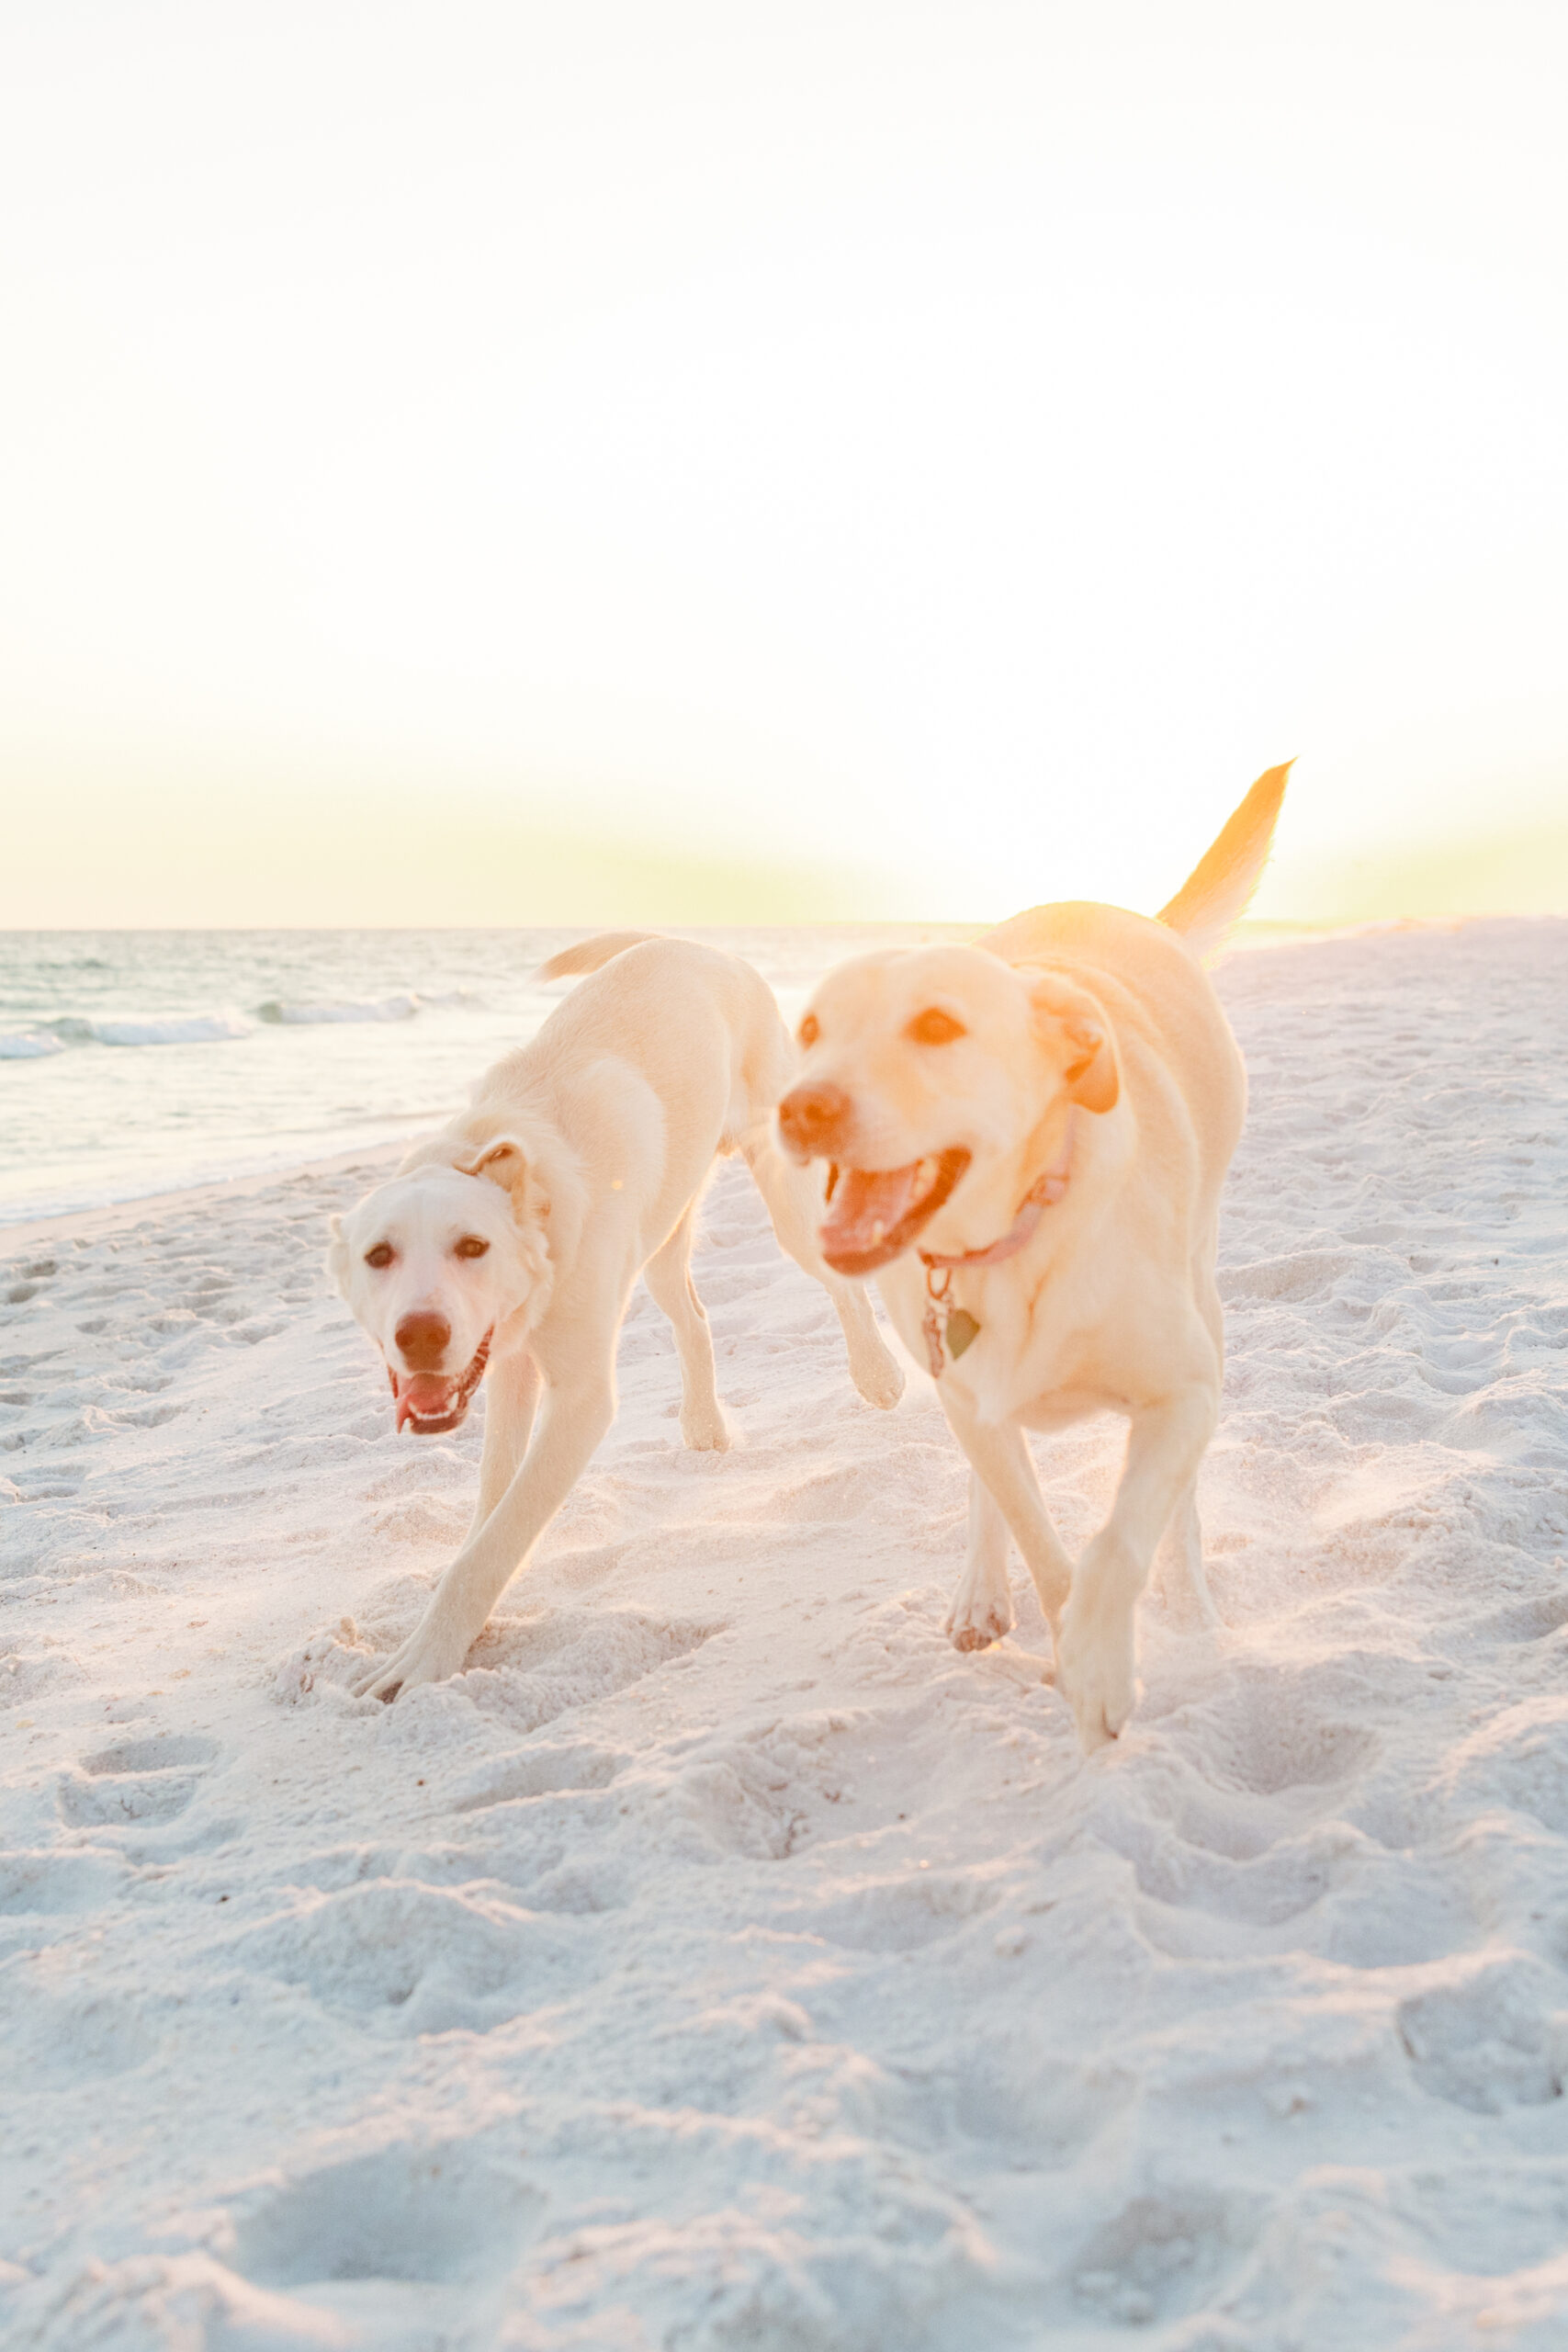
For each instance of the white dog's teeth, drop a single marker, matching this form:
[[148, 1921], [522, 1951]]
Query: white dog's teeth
[[878, 1228]]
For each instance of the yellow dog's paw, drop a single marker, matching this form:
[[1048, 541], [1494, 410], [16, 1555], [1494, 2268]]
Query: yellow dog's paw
[[705, 1431], [1097, 1676]]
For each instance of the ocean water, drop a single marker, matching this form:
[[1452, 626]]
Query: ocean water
[[141, 1062]]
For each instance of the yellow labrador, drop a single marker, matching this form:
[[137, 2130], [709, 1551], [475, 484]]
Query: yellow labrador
[[511, 1243], [1026, 1141]]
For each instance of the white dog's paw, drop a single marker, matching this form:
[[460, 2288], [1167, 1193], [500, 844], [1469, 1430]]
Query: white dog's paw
[[705, 1428], [1096, 1671], [431, 1654], [979, 1616], [880, 1380]]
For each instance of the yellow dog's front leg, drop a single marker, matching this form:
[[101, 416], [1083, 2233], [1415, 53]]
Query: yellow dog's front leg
[[1096, 1649], [998, 1452]]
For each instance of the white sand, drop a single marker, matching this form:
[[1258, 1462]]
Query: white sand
[[725, 1963]]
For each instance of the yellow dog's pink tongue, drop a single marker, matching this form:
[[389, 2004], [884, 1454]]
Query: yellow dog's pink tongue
[[867, 1204]]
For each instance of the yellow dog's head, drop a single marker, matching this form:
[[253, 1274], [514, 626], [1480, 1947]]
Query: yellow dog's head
[[930, 1069]]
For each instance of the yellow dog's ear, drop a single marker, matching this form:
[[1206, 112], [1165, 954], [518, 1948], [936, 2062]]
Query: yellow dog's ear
[[1079, 1039]]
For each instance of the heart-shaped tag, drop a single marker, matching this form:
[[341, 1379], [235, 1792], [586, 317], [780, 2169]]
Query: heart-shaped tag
[[962, 1331]]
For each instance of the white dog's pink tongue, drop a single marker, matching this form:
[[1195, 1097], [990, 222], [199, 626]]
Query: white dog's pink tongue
[[423, 1396], [868, 1203]]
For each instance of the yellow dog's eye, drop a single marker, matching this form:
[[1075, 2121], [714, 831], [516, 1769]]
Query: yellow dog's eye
[[470, 1246], [934, 1027], [380, 1256], [810, 1030]]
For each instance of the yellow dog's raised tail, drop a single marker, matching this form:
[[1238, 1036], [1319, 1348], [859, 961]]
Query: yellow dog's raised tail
[[1216, 893], [592, 955]]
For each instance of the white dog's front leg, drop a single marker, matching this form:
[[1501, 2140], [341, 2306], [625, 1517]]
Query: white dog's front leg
[[875, 1369], [1095, 1661], [668, 1274], [1000, 1452], [571, 1427], [982, 1609], [511, 1393], [795, 1208]]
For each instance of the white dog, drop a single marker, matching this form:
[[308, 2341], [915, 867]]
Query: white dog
[[512, 1239], [1026, 1141]]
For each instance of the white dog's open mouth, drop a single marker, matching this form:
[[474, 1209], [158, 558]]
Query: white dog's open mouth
[[429, 1402], [877, 1212]]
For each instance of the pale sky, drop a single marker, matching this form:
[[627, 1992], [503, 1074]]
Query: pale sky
[[475, 461]]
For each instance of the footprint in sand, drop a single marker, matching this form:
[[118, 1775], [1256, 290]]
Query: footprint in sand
[[436, 2215], [542, 1771], [528, 1670], [1165, 2256], [1495, 2040], [60, 2040], [1518, 1759], [401, 1957], [1267, 1738], [23, 1283], [140, 1781], [1035, 2117], [46, 1885]]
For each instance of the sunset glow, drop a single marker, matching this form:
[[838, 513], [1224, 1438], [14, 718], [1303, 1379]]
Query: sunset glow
[[909, 461]]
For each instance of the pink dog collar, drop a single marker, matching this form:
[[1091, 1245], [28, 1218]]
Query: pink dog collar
[[1040, 1196], [947, 1329]]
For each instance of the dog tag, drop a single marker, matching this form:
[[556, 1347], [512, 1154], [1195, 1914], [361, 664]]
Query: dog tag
[[962, 1331]]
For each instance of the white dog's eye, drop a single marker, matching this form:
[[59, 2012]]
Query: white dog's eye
[[380, 1256], [934, 1027], [470, 1246], [810, 1030]]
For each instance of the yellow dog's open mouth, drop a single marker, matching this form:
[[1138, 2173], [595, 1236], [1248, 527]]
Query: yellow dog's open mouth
[[429, 1402], [877, 1212]]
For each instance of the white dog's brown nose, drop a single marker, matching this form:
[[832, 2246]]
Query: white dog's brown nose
[[423, 1340], [812, 1120]]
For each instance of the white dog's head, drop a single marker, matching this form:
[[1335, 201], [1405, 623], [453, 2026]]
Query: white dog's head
[[432, 1264], [927, 1067]]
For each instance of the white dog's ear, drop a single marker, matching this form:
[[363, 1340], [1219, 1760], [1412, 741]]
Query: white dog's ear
[[1078, 1037], [337, 1257], [504, 1163]]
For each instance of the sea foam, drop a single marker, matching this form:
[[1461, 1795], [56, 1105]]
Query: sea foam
[[186, 1029], [28, 1044], [401, 1007]]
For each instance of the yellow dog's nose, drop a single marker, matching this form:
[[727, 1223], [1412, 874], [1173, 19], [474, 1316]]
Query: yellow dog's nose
[[812, 1121]]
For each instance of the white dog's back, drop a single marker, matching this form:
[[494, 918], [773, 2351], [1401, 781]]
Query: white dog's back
[[671, 1008]]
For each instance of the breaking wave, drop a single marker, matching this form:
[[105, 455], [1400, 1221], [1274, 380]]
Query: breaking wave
[[401, 1007], [28, 1044], [182, 1029], [51, 1036]]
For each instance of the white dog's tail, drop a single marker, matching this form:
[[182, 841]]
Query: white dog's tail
[[592, 955], [1216, 893]]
